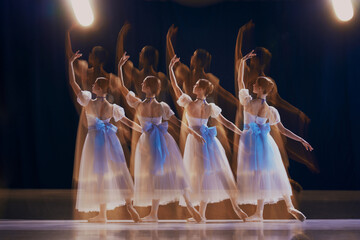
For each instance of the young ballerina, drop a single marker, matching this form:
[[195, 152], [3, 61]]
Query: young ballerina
[[210, 175], [104, 180], [160, 175], [261, 175]]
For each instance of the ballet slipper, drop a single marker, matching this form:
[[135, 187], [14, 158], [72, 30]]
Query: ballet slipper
[[149, 219], [134, 215], [297, 214], [240, 213], [192, 220], [195, 214], [98, 219], [255, 218]]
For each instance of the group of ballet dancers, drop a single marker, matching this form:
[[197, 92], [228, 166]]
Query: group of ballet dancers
[[200, 175]]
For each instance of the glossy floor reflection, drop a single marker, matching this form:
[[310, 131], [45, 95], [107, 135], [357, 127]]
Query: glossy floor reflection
[[220, 229]]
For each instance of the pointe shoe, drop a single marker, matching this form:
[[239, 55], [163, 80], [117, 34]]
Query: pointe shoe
[[297, 214], [134, 215], [255, 218], [149, 219], [192, 220], [98, 219], [195, 214], [240, 213]]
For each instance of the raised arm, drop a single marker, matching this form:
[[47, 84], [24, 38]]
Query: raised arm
[[239, 40], [229, 125], [122, 61], [170, 53], [128, 68], [68, 47], [293, 136], [174, 84], [76, 88], [241, 70]]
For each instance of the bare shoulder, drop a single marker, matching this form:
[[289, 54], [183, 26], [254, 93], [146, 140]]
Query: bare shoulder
[[182, 69], [212, 78]]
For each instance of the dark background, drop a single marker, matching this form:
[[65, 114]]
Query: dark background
[[315, 64]]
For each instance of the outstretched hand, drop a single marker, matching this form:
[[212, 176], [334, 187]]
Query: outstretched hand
[[307, 145], [75, 56], [123, 60], [173, 61], [249, 55]]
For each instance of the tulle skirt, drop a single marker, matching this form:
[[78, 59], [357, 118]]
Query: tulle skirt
[[211, 178], [261, 173], [166, 186], [104, 177]]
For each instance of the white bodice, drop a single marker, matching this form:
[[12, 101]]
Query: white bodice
[[196, 122], [154, 120]]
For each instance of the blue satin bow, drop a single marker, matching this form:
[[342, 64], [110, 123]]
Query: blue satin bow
[[209, 134], [158, 144], [261, 146], [257, 129], [102, 129]]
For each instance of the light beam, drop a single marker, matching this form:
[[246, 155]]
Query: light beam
[[83, 12], [343, 9]]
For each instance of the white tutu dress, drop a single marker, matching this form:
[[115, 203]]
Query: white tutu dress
[[261, 173], [211, 178], [159, 169], [104, 177]]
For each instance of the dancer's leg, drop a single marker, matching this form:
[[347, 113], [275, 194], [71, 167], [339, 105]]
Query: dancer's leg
[[258, 215], [153, 216], [194, 213], [239, 212], [292, 210], [133, 213]]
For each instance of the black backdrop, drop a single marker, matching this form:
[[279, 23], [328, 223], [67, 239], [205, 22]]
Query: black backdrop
[[315, 63]]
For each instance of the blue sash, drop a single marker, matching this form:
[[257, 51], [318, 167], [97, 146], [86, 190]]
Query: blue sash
[[157, 144]]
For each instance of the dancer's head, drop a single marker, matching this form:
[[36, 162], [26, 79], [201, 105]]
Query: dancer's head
[[151, 85], [97, 56], [201, 59], [262, 59], [203, 88], [100, 86], [149, 57], [263, 86]]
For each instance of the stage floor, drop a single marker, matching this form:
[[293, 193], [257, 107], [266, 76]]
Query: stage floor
[[167, 229]]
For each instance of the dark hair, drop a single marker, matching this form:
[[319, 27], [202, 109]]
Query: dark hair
[[150, 56], [203, 58], [206, 85], [266, 83], [264, 57], [153, 83], [100, 54], [103, 83]]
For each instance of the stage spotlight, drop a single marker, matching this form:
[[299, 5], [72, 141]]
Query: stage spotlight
[[343, 9], [83, 12]]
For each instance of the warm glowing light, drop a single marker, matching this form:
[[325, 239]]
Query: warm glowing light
[[83, 12], [343, 9]]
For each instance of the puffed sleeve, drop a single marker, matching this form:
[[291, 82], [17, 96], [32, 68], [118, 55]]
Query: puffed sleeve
[[167, 112], [184, 100], [84, 98], [118, 112], [132, 100], [215, 110], [274, 117], [244, 96]]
